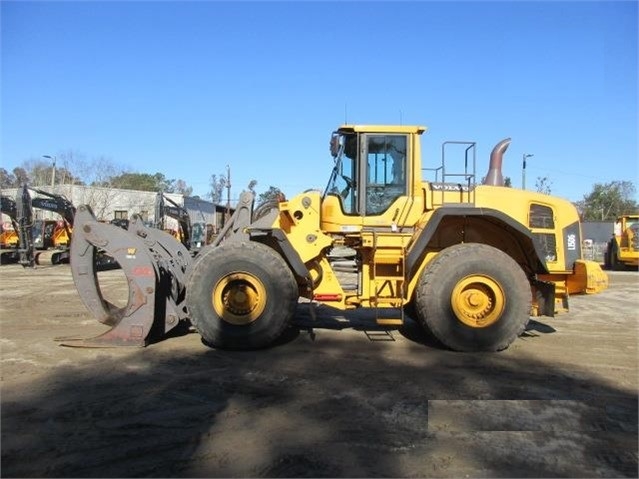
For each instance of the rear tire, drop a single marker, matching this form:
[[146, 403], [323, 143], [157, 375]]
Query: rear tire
[[473, 297], [241, 296]]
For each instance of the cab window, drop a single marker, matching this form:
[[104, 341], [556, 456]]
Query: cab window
[[385, 171]]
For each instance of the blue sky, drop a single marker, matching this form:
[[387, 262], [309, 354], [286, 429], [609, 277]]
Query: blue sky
[[186, 88]]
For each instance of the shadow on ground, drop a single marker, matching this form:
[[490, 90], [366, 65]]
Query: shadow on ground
[[326, 408]]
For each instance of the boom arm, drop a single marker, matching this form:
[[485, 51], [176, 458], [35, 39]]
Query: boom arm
[[24, 218], [56, 203]]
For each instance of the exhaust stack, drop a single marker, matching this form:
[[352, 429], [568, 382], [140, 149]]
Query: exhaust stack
[[494, 176]]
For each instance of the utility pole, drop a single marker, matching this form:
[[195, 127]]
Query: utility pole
[[228, 192], [53, 169], [523, 170]]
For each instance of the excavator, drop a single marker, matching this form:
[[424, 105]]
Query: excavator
[[9, 239], [469, 259], [25, 222], [175, 211], [51, 238]]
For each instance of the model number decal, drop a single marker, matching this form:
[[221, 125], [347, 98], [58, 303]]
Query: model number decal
[[571, 241]]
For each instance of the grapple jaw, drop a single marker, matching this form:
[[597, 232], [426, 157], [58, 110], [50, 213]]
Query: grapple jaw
[[155, 266]]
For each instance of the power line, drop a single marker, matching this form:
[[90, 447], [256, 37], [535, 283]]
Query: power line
[[566, 173]]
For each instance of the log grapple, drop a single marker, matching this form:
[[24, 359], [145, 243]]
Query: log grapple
[[155, 266]]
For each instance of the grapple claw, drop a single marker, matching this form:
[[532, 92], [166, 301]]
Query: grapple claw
[[155, 266]]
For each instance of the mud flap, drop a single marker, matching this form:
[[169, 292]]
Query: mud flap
[[544, 298], [155, 265]]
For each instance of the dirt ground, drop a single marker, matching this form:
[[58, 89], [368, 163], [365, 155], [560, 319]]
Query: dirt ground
[[351, 399]]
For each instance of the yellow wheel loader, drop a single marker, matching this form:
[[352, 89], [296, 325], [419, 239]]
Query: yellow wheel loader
[[622, 250], [470, 260]]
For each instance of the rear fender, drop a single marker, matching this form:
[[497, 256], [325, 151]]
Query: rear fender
[[525, 251]]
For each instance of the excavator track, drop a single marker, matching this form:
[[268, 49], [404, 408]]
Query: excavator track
[[155, 266], [52, 257]]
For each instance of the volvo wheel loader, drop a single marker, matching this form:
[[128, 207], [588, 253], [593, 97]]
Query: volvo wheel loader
[[622, 250], [470, 260]]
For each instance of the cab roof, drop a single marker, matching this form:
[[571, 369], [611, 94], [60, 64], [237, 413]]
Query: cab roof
[[382, 129]]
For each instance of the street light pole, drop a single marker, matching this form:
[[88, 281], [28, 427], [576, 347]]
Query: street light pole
[[523, 170], [53, 170]]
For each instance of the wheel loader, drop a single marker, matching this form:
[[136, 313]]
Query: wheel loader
[[469, 259], [622, 250]]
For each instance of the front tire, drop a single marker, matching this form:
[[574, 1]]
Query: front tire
[[614, 264], [608, 256], [241, 296], [473, 297]]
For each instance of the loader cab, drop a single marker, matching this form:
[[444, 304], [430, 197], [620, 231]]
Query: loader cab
[[370, 185]]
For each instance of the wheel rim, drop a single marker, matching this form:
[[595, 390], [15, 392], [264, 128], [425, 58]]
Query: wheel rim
[[239, 298], [478, 301]]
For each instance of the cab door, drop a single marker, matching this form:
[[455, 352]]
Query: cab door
[[384, 175]]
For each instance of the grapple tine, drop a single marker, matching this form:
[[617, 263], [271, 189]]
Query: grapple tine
[[155, 265]]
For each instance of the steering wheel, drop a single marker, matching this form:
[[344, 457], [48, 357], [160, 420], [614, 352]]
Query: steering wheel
[[350, 184]]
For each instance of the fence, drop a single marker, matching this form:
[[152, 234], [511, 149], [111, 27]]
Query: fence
[[594, 251]]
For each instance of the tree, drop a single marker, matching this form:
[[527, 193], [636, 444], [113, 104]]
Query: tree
[[272, 194], [543, 185], [7, 180], [66, 168], [180, 186], [217, 187], [149, 182], [134, 181], [251, 186], [97, 171], [39, 171], [21, 176], [606, 201]]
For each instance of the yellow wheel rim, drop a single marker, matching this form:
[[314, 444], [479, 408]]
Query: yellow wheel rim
[[478, 301], [239, 298]]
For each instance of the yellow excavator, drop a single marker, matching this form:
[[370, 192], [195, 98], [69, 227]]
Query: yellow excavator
[[9, 239], [469, 259], [51, 238]]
